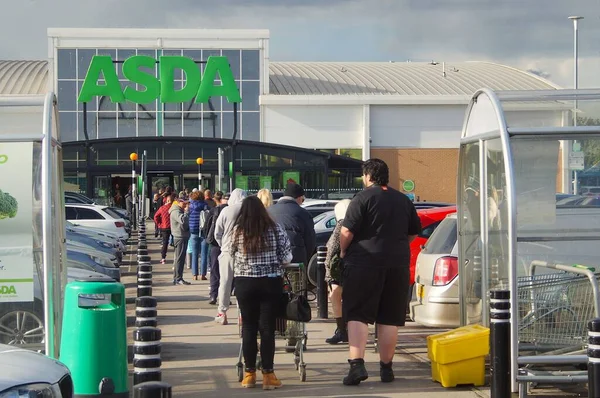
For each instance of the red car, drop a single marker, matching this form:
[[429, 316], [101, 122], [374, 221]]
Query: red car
[[430, 219]]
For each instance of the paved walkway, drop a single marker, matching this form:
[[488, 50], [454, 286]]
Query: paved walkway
[[199, 356]]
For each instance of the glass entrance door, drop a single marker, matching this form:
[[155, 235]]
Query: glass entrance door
[[158, 181]]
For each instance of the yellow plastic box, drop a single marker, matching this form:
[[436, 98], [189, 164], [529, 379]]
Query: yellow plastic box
[[458, 356]]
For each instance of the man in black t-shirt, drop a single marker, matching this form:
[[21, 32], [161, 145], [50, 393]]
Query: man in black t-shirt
[[376, 233]]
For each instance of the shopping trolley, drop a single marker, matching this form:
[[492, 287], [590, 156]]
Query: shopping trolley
[[294, 333]]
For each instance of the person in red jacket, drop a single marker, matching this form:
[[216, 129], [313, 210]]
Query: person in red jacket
[[163, 222]]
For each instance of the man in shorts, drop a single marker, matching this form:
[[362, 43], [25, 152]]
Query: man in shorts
[[376, 233]]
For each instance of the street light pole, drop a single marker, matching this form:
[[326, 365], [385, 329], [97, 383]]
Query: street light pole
[[134, 157], [575, 20], [199, 162]]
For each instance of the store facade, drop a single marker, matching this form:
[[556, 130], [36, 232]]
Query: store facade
[[178, 95]]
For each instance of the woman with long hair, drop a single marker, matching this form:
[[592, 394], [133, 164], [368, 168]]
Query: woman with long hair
[[259, 248], [266, 197]]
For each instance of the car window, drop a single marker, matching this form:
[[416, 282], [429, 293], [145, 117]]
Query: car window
[[427, 231], [331, 223], [71, 213], [443, 239], [112, 213], [88, 214], [319, 217]]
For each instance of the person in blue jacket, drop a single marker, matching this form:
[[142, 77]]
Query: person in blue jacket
[[197, 206]]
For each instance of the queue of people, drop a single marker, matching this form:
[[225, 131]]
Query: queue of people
[[249, 239]]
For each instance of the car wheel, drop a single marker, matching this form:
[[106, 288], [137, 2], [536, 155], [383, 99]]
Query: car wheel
[[22, 325]]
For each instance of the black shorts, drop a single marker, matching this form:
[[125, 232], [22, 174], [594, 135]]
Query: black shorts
[[375, 294]]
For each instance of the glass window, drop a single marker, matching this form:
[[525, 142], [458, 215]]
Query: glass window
[[122, 55], [427, 231], [250, 64], [88, 214], [67, 95], [172, 127], [250, 126], [178, 71], [90, 121], [192, 127], [107, 127], [71, 213], [127, 127], [211, 126], [147, 125], [173, 153], [442, 241], [67, 63], [228, 125], [112, 213], [112, 53], [209, 53], [331, 223], [106, 105], [233, 56], [250, 94], [68, 126], [92, 104], [84, 57], [213, 105]]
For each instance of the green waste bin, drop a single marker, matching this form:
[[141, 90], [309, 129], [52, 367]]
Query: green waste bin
[[94, 338]]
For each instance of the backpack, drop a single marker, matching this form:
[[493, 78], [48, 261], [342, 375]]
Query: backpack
[[204, 218]]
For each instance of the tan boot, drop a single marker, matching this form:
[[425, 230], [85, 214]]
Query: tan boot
[[270, 381], [249, 380]]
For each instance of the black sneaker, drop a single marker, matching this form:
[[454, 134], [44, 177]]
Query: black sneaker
[[338, 337], [182, 282], [212, 301], [357, 372], [386, 372]]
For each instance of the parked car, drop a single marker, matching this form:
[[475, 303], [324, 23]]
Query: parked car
[[96, 217], [24, 373], [436, 302], [77, 198], [95, 244], [101, 263], [120, 243], [25, 321]]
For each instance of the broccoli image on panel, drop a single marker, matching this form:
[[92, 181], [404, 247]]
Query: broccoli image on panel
[[8, 205]]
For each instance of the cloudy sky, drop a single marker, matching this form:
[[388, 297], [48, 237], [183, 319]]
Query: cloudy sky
[[529, 34]]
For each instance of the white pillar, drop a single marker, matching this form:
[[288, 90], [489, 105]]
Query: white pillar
[[366, 129]]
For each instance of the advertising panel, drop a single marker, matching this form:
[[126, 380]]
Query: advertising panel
[[16, 217]]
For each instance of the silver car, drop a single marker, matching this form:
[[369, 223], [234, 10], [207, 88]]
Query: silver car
[[24, 373], [435, 298]]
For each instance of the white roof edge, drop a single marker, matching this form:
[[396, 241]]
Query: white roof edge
[[360, 99], [113, 33], [542, 79]]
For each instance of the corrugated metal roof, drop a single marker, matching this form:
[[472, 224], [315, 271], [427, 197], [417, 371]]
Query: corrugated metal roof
[[337, 78], [23, 77], [397, 78]]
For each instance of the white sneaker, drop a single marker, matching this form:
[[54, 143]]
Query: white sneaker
[[221, 318]]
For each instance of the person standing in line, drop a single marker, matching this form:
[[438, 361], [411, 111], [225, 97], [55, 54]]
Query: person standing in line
[[208, 198], [376, 233], [259, 247], [180, 229], [129, 203], [197, 205], [333, 274], [163, 222], [266, 197], [215, 250], [223, 230]]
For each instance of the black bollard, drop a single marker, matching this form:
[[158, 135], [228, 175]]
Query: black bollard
[[146, 312], [146, 355], [152, 389], [322, 301], [143, 245], [144, 259], [593, 353], [500, 372]]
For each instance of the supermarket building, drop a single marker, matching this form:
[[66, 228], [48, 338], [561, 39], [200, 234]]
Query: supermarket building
[[310, 121]]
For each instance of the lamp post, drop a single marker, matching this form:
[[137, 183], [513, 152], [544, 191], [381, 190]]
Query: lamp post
[[134, 157], [199, 162], [575, 20]]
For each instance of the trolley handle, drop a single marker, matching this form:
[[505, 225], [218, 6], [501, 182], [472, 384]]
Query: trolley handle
[[576, 269]]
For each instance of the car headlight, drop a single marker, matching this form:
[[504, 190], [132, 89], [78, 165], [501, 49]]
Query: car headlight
[[40, 390]]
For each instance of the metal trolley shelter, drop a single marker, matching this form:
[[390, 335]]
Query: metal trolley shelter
[[522, 228]]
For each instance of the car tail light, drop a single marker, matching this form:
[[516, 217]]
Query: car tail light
[[119, 224], [446, 269]]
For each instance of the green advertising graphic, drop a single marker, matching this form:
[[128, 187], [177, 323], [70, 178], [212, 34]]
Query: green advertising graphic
[[16, 220], [408, 185], [290, 177], [241, 182], [266, 182], [199, 86]]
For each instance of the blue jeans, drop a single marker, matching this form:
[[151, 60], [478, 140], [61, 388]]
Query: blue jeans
[[204, 252], [194, 249]]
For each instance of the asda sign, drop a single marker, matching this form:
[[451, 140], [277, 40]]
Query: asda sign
[[151, 87]]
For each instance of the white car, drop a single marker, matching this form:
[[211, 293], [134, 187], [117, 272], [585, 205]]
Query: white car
[[319, 202], [96, 217], [325, 222]]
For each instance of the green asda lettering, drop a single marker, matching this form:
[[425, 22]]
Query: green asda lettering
[[8, 290], [202, 87]]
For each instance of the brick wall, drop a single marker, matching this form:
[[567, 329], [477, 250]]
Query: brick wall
[[432, 170]]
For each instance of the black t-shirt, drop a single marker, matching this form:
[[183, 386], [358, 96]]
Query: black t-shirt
[[381, 219]]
